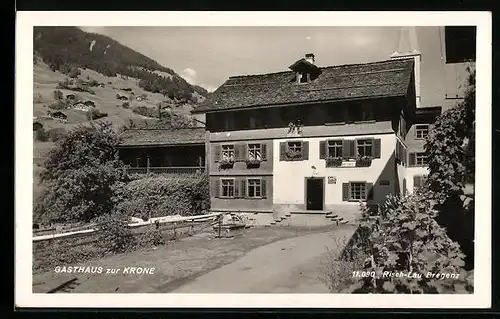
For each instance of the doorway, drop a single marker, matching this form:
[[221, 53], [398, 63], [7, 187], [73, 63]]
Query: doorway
[[314, 193]]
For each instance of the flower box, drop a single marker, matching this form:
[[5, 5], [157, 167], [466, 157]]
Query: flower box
[[291, 155], [333, 162], [226, 163], [363, 161], [251, 163]]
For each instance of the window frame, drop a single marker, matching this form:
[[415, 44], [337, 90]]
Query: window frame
[[250, 180], [255, 148], [335, 147], [295, 148], [421, 130], [368, 146], [226, 179], [420, 156], [230, 158], [364, 191]]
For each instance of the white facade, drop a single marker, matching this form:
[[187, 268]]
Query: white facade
[[289, 176]]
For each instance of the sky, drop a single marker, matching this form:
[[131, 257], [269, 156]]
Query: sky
[[208, 56]]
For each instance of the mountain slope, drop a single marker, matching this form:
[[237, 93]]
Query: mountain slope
[[62, 48]]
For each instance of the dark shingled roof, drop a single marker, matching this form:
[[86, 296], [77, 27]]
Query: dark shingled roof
[[353, 81], [162, 137]]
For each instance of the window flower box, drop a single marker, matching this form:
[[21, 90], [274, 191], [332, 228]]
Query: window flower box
[[226, 163], [293, 155], [363, 161], [333, 162], [252, 163]]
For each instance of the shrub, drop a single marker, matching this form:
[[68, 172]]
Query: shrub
[[74, 72], [58, 105], [145, 111], [58, 95], [402, 236], [125, 105], [114, 235], [150, 238], [56, 134], [336, 270], [95, 114], [155, 196], [37, 98]]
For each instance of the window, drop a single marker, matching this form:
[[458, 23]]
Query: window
[[254, 188], [254, 152], [421, 131], [364, 147], [420, 159], [367, 113], [227, 187], [357, 191], [303, 77], [335, 149], [419, 181], [295, 147], [228, 152]]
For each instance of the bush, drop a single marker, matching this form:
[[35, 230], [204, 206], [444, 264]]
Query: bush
[[150, 238], [402, 236], [336, 268], [114, 235], [95, 114], [41, 135], [156, 196], [37, 98], [145, 111], [59, 105], [56, 134], [125, 105]]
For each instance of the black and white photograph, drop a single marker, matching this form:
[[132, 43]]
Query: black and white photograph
[[253, 156]]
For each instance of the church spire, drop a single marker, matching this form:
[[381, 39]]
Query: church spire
[[408, 48]]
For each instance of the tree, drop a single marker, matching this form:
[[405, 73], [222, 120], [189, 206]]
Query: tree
[[58, 95], [82, 174]]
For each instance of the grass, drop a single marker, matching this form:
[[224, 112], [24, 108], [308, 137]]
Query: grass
[[335, 271], [175, 263]]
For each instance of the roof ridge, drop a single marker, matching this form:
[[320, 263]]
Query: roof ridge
[[323, 67]]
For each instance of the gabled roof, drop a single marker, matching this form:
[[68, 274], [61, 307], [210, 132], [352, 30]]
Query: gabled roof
[[353, 81], [162, 137]]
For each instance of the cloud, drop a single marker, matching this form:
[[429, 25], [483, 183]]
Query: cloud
[[189, 75]]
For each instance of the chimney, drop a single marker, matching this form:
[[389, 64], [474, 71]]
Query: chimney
[[310, 58], [408, 49]]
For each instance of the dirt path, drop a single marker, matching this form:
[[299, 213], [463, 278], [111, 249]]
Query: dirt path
[[285, 266]]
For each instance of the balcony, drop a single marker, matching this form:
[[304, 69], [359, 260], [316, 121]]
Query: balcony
[[186, 170]]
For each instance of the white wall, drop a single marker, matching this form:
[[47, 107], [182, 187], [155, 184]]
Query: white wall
[[412, 171], [289, 177]]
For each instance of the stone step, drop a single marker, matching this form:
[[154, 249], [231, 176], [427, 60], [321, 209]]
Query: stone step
[[331, 216]]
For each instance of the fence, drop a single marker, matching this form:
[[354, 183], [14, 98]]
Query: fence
[[187, 170]]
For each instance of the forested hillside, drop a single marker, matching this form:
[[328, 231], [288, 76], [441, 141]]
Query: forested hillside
[[64, 48]]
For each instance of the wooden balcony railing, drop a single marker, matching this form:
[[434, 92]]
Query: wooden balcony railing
[[187, 170]]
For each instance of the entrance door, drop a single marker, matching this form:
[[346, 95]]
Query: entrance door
[[314, 194]]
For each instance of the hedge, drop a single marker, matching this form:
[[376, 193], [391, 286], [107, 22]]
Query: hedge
[[163, 195]]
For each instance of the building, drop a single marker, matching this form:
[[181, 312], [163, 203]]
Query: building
[[459, 54], [179, 151], [81, 106], [309, 140]]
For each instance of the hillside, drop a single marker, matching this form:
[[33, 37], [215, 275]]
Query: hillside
[[64, 47]]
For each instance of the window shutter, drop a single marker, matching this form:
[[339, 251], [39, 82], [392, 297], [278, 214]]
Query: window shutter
[[236, 188], [376, 147], [282, 151], [412, 159], [345, 192], [216, 188], [404, 186], [353, 146], [305, 150], [237, 152], [263, 151], [322, 149], [416, 181], [346, 148], [369, 191], [398, 150], [217, 152], [243, 188], [263, 188]]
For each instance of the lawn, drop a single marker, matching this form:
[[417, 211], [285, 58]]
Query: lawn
[[175, 264]]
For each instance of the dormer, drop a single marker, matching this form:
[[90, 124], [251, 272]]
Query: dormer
[[305, 69]]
